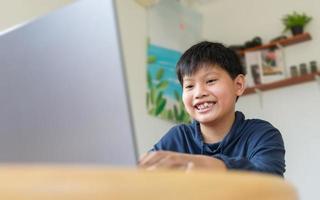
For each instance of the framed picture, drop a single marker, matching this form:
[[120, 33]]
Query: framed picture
[[264, 66], [273, 65]]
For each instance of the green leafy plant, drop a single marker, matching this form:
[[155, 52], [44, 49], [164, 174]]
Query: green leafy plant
[[179, 112], [295, 19], [157, 103], [155, 100]]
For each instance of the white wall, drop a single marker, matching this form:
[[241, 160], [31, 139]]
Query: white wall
[[294, 110], [13, 12], [133, 30]]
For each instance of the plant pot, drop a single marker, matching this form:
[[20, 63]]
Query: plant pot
[[296, 30]]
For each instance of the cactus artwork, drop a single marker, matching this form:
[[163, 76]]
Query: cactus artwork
[[163, 98]]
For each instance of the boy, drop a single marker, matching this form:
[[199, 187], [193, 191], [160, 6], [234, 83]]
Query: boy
[[218, 138]]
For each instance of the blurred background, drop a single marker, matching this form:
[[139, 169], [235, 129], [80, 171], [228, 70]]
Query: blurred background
[[174, 25]]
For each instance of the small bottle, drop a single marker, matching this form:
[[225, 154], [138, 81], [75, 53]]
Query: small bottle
[[294, 71], [313, 66], [303, 69]]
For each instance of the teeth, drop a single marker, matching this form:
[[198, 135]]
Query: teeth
[[204, 105]]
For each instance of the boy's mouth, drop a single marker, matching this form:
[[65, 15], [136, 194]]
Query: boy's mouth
[[204, 105]]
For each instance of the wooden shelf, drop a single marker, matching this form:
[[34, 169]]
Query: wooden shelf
[[284, 42], [282, 83]]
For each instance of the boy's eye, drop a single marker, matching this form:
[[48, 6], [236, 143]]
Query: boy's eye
[[188, 86], [212, 80]]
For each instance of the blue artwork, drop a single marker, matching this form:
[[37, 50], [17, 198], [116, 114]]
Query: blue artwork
[[166, 59], [164, 89]]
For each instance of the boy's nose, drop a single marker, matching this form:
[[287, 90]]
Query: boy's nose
[[201, 92]]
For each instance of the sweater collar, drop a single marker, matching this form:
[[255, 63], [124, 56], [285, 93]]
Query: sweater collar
[[232, 134]]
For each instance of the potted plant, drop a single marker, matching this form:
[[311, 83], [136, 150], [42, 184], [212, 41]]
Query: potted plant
[[295, 22]]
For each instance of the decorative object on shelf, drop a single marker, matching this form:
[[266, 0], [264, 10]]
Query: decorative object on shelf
[[313, 66], [294, 71], [295, 22], [282, 42], [256, 75], [237, 47], [256, 41], [303, 69], [264, 66]]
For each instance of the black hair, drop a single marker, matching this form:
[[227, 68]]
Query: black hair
[[206, 54]]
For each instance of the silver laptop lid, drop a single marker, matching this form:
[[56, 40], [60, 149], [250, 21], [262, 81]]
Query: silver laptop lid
[[63, 93]]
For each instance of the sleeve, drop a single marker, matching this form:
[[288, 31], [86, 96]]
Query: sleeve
[[265, 154]]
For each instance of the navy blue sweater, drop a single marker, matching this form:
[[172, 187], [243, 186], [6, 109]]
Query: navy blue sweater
[[251, 144]]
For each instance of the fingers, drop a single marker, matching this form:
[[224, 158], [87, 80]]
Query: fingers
[[174, 160], [163, 160], [189, 167], [151, 158], [143, 156]]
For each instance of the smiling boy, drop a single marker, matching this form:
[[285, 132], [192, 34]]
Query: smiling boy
[[219, 137]]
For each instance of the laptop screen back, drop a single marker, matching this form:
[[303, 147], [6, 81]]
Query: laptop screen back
[[63, 93]]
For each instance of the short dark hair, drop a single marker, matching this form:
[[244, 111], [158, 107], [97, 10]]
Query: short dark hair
[[207, 53]]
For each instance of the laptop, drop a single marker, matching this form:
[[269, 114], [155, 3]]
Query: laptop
[[63, 90]]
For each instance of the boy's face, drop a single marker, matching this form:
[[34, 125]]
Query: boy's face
[[209, 95]]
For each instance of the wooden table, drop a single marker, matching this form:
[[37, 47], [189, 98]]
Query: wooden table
[[89, 182]]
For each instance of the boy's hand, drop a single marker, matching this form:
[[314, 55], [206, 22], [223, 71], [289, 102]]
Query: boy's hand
[[174, 160]]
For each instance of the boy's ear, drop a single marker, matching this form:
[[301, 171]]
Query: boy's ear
[[240, 84]]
